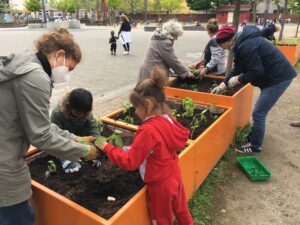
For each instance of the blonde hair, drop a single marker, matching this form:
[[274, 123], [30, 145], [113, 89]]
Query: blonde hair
[[59, 39], [277, 27], [173, 27], [212, 26], [123, 16]]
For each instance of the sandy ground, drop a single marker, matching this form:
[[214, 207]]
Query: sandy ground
[[276, 201]]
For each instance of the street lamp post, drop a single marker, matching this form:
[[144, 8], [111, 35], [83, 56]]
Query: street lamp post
[[145, 12], [44, 11]]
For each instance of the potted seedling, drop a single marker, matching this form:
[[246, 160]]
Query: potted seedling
[[51, 169]]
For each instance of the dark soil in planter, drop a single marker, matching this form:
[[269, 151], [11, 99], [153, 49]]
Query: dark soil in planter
[[211, 115], [90, 186], [204, 85]]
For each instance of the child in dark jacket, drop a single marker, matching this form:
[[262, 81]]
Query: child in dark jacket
[[74, 114], [154, 152], [113, 43]]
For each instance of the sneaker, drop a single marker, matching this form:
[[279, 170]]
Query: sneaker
[[295, 124], [125, 53], [247, 148]]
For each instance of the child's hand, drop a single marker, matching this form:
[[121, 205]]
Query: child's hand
[[102, 145]]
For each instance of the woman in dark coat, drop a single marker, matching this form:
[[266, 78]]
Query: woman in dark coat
[[259, 62]]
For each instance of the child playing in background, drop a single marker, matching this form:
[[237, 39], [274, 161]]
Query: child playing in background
[[154, 152], [113, 43]]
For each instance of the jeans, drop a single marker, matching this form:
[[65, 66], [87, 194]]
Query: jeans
[[267, 99], [19, 214]]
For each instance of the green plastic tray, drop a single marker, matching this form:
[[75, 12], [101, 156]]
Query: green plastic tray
[[254, 168]]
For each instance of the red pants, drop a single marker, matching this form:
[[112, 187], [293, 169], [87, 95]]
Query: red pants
[[168, 197]]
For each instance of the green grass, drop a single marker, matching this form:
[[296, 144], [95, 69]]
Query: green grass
[[298, 66], [203, 203]]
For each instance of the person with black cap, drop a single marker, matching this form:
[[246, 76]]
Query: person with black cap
[[259, 62], [74, 114]]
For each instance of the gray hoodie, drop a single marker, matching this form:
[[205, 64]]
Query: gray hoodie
[[160, 52], [25, 91]]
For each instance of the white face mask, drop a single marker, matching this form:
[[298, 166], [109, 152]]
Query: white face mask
[[60, 74]]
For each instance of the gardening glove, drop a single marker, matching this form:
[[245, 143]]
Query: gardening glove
[[84, 139], [233, 81], [96, 163], [70, 167], [90, 152], [218, 89]]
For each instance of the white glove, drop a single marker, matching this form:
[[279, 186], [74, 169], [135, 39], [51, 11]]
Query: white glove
[[70, 167], [218, 89], [233, 81], [96, 163]]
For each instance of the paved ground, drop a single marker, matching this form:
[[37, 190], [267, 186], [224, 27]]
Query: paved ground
[[106, 76], [110, 79]]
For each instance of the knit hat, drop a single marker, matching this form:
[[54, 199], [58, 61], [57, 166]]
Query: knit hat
[[225, 33], [81, 100]]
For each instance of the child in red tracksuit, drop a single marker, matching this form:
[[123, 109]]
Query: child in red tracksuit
[[154, 152]]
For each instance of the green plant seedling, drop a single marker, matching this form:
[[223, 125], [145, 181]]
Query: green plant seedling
[[51, 169], [189, 107], [115, 139], [100, 140], [100, 125], [128, 118]]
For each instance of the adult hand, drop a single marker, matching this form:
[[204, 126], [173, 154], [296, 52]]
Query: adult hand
[[171, 81], [70, 167], [90, 152], [191, 75], [218, 89], [233, 81], [84, 139], [203, 72]]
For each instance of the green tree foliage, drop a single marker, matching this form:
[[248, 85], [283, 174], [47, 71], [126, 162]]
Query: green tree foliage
[[295, 6], [33, 5], [70, 6], [211, 5], [170, 5], [4, 7], [115, 4]]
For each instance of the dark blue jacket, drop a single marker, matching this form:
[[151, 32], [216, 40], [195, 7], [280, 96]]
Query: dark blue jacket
[[259, 61], [268, 32]]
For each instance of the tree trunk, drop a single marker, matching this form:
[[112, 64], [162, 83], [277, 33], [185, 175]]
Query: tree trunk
[[297, 27], [145, 12], [254, 11], [283, 20], [267, 3], [235, 23]]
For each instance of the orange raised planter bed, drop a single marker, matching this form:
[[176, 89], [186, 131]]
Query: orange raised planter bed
[[209, 146], [241, 101], [291, 52], [54, 209]]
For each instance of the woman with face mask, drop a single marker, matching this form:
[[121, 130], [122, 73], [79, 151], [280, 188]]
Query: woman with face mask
[[25, 88]]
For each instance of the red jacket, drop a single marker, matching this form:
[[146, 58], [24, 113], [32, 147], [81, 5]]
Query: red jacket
[[153, 149]]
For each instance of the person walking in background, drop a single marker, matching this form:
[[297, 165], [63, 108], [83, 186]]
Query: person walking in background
[[161, 53], [214, 60], [74, 114], [25, 89], [113, 43], [124, 34], [154, 152], [259, 62]]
